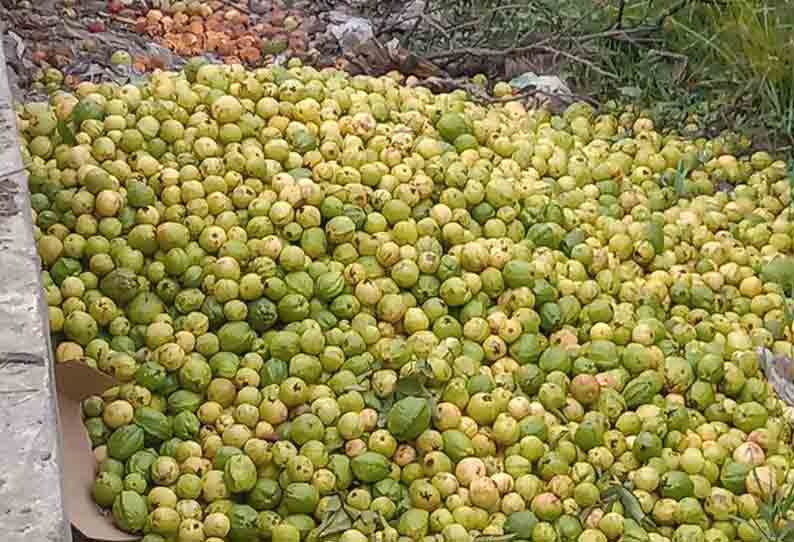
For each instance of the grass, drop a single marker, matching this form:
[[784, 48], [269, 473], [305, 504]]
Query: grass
[[774, 509], [727, 66], [722, 64], [739, 58]]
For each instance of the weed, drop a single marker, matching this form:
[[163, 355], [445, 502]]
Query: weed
[[720, 64], [773, 511]]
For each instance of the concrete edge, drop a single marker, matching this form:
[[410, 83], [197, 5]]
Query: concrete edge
[[31, 469]]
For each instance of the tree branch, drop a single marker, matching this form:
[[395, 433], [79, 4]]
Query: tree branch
[[621, 9]]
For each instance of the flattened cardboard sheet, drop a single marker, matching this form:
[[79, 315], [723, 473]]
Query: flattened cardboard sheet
[[75, 381]]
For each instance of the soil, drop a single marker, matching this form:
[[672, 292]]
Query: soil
[[79, 39]]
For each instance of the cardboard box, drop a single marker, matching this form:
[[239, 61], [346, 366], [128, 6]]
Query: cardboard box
[[75, 381]]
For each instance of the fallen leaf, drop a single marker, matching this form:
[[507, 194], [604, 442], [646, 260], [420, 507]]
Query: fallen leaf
[[66, 133]]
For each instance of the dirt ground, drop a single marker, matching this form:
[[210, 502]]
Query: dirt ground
[[79, 39]]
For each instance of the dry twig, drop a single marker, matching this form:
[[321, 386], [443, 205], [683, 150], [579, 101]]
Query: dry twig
[[119, 18], [236, 5]]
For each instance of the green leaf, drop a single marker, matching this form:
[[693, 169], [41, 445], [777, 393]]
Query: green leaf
[[680, 178], [631, 504], [636, 537], [352, 513], [779, 270], [372, 401], [386, 405], [403, 506], [767, 506], [786, 534], [66, 133], [656, 237], [788, 500], [412, 385], [337, 521], [631, 92], [562, 434], [560, 414], [585, 513], [356, 387], [422, 367], [335, 503]]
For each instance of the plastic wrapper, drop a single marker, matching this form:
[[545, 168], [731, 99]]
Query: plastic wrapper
[[779, 372]]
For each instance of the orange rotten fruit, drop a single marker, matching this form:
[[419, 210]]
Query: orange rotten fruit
[[228, 31]]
